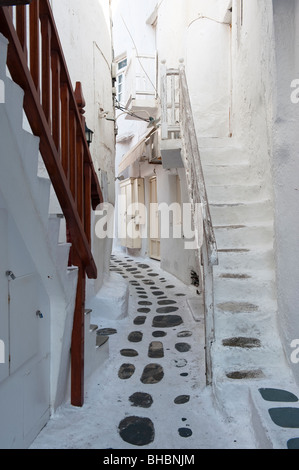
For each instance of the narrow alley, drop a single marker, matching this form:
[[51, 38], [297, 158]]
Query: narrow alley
[[151, 393]]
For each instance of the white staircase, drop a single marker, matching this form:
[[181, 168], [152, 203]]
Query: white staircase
[[244, 280], [26, 191]]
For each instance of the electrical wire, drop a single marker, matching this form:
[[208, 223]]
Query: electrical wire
[[127, 111], [137, 53]]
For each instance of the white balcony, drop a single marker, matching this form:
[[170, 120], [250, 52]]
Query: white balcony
[[141, 86]]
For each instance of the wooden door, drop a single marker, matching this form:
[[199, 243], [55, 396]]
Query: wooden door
[[130, 213]]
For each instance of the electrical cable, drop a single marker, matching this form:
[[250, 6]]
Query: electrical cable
[[137, 54], [122, 108]]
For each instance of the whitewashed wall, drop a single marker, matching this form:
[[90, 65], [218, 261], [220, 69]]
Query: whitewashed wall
[[85, 33], [286, 169]]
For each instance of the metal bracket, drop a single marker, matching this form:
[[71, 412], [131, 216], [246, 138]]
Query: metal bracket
[[10, 275]]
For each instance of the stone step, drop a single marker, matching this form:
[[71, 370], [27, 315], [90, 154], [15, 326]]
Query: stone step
[[251, 290], [224, 174], [43, 198], [241, 213], [223, 154], [14, 97], [234, 193], [242, 236], [30, 146], [244, 260]]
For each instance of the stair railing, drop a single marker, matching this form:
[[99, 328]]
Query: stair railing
[[55, 111], [178, 123]]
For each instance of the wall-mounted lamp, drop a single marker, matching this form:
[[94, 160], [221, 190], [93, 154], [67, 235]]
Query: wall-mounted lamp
[[89, 135], [120, 178]]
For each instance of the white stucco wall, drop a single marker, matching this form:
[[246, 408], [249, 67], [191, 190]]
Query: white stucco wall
[[85, 33], [286, 170], [252, 84]]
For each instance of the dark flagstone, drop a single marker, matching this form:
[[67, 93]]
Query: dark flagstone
[[274, 394], [242, 342], [245, 374], [167, 309], [184, 374], [285, 417], [167, 321], [167, 302], [106, 331], [152, 374], [129, 352], [156, 350], [170, 287], [159, 334], [126, 371], [182, 399], [139, 320], [153, 274], [144, 302], [142, 400], [158, 292], [143, 310], [293, 443], [143, 266], [182, 347], [135, 337], [184, 334], [185, 432], [137, 431]]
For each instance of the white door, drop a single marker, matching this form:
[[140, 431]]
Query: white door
[[25, 332]]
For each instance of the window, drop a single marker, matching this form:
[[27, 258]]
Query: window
[[120, 79]]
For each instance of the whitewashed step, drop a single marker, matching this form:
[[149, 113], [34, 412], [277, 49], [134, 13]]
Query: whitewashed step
[[251, 290], [3, 55], [234, 193], [242, 236], [62, 256], [241, 213], [30, 150], [223, 156], [43, 198], [244, 260], [225, 174], [54, 229], [14, 98]]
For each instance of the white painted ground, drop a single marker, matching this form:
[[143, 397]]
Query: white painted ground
[[95, 425]]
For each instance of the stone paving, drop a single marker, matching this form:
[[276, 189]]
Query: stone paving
[[151, 392]]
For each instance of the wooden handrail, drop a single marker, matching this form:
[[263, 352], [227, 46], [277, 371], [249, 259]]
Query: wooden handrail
[[56, 115], [43, 112]]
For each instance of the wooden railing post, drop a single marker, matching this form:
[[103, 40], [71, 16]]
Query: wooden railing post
[[77, 349], [46, 66], [35, 43], [21, 22], [65, 128], [56, 121], [73, 153]]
